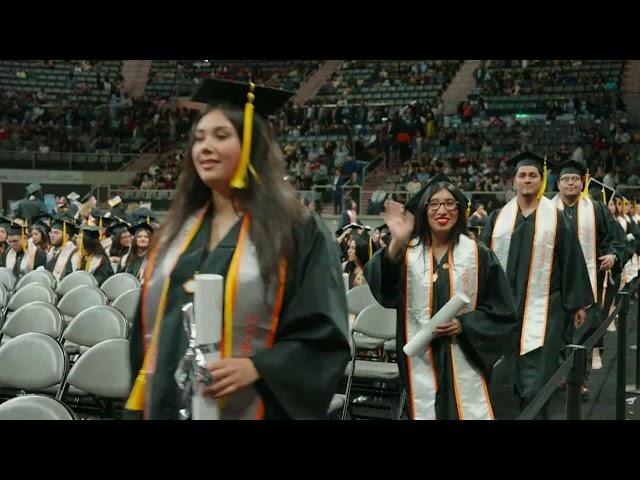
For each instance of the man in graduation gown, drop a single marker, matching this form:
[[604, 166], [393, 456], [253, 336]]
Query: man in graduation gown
[[23, 256], [402, 276], [62, 230], [546, 271], [601, 239]]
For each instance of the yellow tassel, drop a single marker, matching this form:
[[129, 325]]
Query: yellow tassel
[[604, 196], [135, 401], [543, 187], [239, 179], [587, 180], [370, 248], [100, 235], [468, 211], [80, 250], [148, 221], [64, 233]]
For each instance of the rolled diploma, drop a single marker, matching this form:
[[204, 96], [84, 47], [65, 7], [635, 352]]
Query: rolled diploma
[[207, 299], [630, 237], [345, 280], [447, 313]]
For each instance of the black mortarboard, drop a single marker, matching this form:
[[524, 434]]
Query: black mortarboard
[[144, 214], [118, 227], [41, 218], [267, 100], [596, 190], [571, 167], [17, 227], [5, 222], [73, 210], [59, 222], [90, 231], [100, 215], [355, 226], [142, 225], [477, 230], [526, 159], [414, 202], [33, 188]]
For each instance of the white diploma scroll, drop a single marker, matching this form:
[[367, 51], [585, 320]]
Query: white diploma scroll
[[447, 313], [208, 303], [345, 280], [630, 237]]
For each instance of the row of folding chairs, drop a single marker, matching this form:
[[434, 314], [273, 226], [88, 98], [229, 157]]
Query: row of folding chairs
[[36, 365]]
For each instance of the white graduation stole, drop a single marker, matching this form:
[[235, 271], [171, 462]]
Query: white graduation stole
[[61, 261], [534, 322], [29, 258], [587, 234], [630, 270], [96, 261], [469, 385]]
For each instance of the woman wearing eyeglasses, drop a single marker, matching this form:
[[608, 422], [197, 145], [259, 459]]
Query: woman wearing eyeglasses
[[429, 260]]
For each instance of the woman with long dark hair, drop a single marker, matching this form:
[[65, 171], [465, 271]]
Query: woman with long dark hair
[[121, 239], [358, 255], [40, 236], [90, 256], [135, 260], [285, 341], [429, 260], [5, 223]]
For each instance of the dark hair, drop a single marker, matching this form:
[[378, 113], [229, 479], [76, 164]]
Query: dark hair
[[422, 230], [362, 248], [272, 202], [133, 252], [92, 245], [118, 250], [44, 242]]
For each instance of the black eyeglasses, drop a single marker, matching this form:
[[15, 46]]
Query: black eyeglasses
[[450, 205]]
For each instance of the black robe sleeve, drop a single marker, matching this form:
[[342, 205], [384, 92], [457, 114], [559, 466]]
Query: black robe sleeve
[[104, 271], [384, 277], [611, 238], [490, 329], [41, 259], [302, 371]]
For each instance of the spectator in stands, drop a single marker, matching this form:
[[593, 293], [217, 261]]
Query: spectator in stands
[[349, 214], [413, 186], [352, 186]]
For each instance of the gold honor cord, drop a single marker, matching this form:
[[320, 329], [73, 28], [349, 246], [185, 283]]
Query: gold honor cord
[[543, 187]]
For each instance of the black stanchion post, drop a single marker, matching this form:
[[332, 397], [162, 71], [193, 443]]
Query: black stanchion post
[[621, 356], [575, 379], [635, 388]]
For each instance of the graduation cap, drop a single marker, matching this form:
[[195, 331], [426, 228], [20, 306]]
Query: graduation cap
[[104, 218], [526, 159], [599, 191], [118, 227], [530, 159], [17, 228], [263, 100], [42, 218], [65, 223], [90, 231], [73, 196], [5, 222], [355, 226], [144, 214], [73, 211], [414, 202], [571, 167], [141, 226], [33, 188]]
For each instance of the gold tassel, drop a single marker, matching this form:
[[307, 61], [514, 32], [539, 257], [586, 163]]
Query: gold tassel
[[23, 238], [587, 181], [100, 234], [467, 213], [543, 187], [80, 250], [135, 401], [239, 179], [604, 196], [64, 233], [148, 222], [370, 248]]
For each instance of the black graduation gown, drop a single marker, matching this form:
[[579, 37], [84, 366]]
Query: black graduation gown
[[101, 273], [610, 240], [40, 261], [485, 331], [134, 268], [570, 290], [302, 371]]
